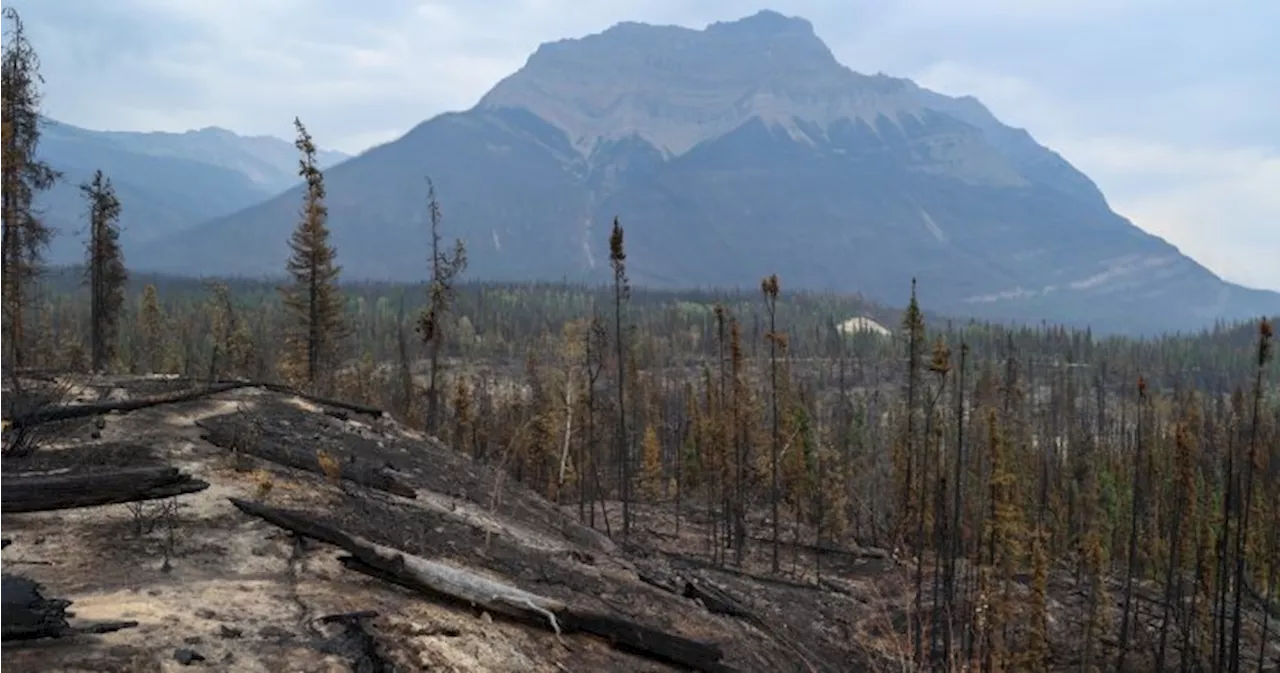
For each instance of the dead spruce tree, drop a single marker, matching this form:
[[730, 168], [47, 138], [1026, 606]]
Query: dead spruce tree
[[906, 461], [1265, 334], [104, 269], [769, 288], [621, 290], [23, 176], [1135, 514], [313, 298], [446, 266]]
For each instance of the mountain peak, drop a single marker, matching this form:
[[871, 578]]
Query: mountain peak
[[215, 131], [764, 23], [677, 87]]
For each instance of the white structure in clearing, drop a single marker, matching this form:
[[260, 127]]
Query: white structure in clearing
[[859, 324]]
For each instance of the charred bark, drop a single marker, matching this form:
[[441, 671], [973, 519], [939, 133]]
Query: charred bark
[[28, 615], [460, 586], [42, 492], [355, 470]]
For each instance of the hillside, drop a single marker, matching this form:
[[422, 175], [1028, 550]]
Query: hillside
[[412, 554], [166, 182], [731, 152], [245, 596]]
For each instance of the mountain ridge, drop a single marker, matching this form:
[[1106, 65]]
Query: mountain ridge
[[166, 181], [856, 190], [267, 160], [766, 49]]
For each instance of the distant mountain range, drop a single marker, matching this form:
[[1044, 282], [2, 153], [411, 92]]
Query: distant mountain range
[[166, 182], [729, 153]]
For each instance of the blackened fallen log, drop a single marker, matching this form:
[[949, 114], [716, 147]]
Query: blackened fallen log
[[322, 401], [72, 411], [356, 471], [718, 602], [659, 582], [42, 492], [702, 564], [859, 553], [460, 586], [28, 614], [645, 641], [622, 634], [25, 614], [415, 572]]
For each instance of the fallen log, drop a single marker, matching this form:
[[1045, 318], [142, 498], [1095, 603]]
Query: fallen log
[[356, 470], [322, 401], [419, 573], [718, 602], [68, 412], [43, 492], [658, 582], [620, 633], [25, 614], [461, 586], [645, 641], [858, 553], [701, 564], [72, 411]]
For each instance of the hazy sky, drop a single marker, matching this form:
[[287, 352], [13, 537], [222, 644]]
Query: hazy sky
[[1171, 106]]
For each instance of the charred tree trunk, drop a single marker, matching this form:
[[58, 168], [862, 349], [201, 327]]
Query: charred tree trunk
[[42, 493], [355, 470], [28, 615], [462, 586]]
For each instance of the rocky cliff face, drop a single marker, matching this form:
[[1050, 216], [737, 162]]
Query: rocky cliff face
[[734, 151]]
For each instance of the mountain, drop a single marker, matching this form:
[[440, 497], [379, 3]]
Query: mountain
[[166, 182], [267, 161], [729, 153]]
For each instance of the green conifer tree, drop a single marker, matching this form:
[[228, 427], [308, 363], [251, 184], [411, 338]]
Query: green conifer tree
[[313, 298]]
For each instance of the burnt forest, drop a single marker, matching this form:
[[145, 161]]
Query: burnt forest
[[309, 470]]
